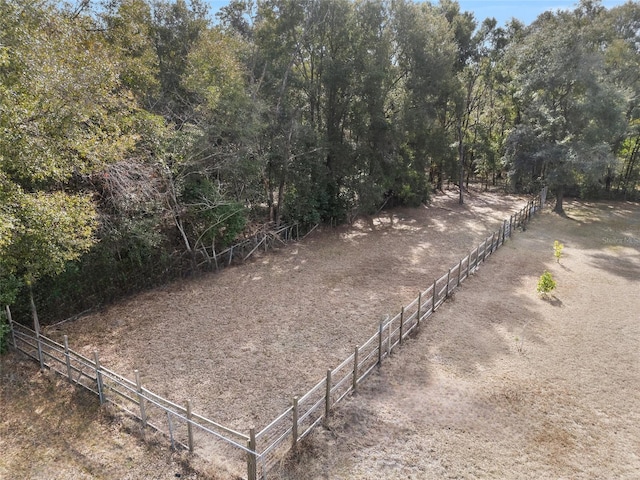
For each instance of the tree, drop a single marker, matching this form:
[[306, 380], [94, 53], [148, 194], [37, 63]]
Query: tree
[[622, 56], [425, 62], [129, 30], [571, 111], [175, 30], [63, 115]]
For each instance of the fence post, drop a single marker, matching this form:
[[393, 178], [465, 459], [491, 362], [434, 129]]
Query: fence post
[[98, 377], [433, 296], [419, 310], [189, 427], [355, 368], [327, 400], [448, 279], [67, 358], [170, 423], [459, 272], [469, 264], [380, 330], [143, 412], [294, 431], [504, 230], [401, 323], [389, 336], [10, 319], [251, 455], [484, 250]]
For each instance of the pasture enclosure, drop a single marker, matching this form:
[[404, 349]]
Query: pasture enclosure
[[187, 429]]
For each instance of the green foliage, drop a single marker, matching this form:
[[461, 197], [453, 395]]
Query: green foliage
[[574, 110], [4, 333], [9, 289], [412, 189], [212, 219], [557, 250], [546, 283], [135, 136], [47, 231]]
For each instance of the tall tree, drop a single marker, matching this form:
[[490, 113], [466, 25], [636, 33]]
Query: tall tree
[[425, 59], [621, 35], [176, 27], [63, 115], [571, 110]]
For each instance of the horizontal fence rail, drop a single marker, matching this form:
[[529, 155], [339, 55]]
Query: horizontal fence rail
[[265, 448]]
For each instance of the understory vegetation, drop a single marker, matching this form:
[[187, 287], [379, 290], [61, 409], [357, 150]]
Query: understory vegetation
[[138, 137]]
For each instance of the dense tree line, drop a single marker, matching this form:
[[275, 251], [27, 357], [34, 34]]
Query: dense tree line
[[138, 137]]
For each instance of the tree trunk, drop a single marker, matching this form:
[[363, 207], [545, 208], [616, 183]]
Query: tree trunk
[[559, 197], [34, 312], [461, 157]]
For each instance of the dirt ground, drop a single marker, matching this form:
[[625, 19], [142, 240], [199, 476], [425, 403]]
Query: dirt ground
[[503, 384], [50, 430], [240, 344], [500, 384]]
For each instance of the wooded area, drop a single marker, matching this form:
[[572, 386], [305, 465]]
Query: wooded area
[[139, 136]]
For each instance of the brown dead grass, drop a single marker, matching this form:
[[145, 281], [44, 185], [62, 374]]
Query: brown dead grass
[[52, 430], [494, 388], [503, 385]]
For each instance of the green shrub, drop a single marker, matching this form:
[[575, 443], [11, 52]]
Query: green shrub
[[557, 250], [211, 218], [546, 283], [4, 333]]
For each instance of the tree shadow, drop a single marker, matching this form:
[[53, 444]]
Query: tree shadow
[[625, 267], [564, 267], [552, 300]]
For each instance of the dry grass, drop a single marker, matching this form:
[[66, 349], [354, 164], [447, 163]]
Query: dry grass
[[51, 430], [460, 401]]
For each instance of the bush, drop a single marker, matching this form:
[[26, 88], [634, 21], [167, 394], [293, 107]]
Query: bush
[[4, 333], [546, 283], [212, 219], [557, 250]]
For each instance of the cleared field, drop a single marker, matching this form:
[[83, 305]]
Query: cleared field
[[500, 385], [240, 344]]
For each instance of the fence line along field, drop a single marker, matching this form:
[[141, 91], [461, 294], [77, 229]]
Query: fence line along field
[[241, 344]]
